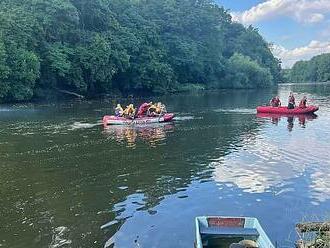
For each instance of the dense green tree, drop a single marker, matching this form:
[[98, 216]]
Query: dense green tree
[[4, 70], [315, 70], [243, 72], [127, 46]]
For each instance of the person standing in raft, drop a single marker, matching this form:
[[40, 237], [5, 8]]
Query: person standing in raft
[[303, 102], [143, 109], [291, 102], [119, 111], [129, 112], [275, 102]]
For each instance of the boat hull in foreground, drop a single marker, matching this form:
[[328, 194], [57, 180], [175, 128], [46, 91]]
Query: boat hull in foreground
[[222, 231], [114, 120], [285, 110]]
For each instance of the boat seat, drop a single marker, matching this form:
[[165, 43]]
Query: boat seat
[[229, 231]]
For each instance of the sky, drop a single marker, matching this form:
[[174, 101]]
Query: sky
[[299, 29]]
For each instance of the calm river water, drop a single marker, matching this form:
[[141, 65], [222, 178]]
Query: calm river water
[[63, 176]]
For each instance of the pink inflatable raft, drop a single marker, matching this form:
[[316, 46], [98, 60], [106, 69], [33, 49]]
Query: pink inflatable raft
[[114, 120], [285, 110]]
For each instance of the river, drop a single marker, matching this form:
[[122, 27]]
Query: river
[[63, 176]]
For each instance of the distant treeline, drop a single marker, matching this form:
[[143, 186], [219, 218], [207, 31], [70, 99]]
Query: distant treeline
[[315, 70], [92, 47]]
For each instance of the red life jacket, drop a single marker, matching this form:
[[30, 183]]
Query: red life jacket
[[275, 102], [143, 109], [292, 100], [303, 103]]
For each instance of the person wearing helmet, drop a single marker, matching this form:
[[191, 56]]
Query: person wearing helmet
[[291, 102], [119, 111], [160, 108], [129, 112]]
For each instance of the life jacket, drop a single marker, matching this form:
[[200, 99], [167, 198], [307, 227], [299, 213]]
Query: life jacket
[[129, 110], [292, 100], [119, 110], [303, 103], [158, 108], [152, 108], [275, 102], [143, 109]]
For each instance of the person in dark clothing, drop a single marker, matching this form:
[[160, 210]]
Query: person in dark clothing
[[292, 101]]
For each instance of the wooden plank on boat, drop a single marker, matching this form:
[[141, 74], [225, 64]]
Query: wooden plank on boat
[[229, 231]]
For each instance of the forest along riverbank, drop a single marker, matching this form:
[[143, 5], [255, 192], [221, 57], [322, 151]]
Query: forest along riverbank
[[63, 176], [129, 47]]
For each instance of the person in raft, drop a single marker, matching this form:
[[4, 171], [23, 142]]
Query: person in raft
[[275, 102], [291, 102], [160, 109], [152, 110], [119, 111], [303, 102], [156, 109], [129, 112], [143, 109]]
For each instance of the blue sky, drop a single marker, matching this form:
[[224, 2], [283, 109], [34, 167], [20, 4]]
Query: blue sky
[[300, 29]]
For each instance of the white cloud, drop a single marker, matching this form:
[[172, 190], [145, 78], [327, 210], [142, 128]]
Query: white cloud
[[289, 57], [314, 18], [303, 11]]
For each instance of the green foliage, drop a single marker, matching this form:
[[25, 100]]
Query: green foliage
[[315, 70], [243, 72], [58, 59], [104, 46], [4, 71], [25, 67]]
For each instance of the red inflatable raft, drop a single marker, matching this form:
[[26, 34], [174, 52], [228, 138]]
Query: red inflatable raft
[[285, 110], [114, 120]]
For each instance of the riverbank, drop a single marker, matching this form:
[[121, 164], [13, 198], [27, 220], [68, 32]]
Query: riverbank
[[308, 84], [64, 95]]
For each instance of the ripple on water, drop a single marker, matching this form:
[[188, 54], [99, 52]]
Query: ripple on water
[[129, 206], [237, 110], [83, 125], [60, 237], [252, 162], [186, 118]]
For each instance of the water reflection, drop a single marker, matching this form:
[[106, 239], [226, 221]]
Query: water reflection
[[153, 134], [276, 118], [273, 159], [63, 177]]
